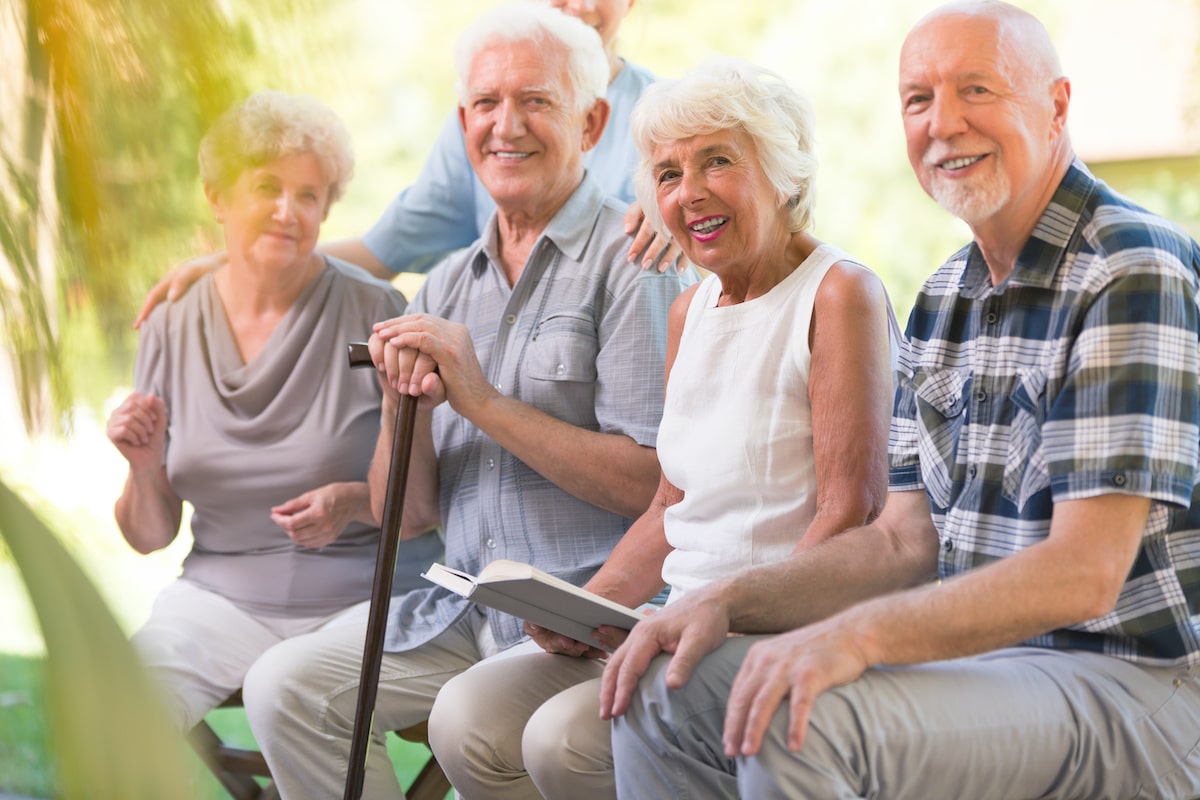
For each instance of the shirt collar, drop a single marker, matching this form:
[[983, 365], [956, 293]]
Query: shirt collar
[[569, 230], [1042, 254]]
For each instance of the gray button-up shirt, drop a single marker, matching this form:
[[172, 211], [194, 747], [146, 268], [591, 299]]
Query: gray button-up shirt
[[581, 336]]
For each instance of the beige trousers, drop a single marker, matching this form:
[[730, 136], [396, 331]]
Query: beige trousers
[[301, 699], [199, 646], [524, 724]]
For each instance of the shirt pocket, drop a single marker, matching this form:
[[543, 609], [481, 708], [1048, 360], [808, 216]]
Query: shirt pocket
[[941, 412], [564, 348], [1025, 471]]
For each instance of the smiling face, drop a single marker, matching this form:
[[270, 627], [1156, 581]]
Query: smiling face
[[272, 213], [982, 119], [717, 203], [525, 138]]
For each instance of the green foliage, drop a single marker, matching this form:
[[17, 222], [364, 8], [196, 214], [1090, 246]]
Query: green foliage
[[24, 768], [98, 187], [108, 734]]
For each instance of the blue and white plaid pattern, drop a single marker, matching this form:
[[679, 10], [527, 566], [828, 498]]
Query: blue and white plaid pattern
[[1076, 377]]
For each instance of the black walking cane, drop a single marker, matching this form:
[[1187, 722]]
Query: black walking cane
[[381, 589]]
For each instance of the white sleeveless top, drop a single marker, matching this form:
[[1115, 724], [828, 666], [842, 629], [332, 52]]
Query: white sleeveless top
[[736, 434]]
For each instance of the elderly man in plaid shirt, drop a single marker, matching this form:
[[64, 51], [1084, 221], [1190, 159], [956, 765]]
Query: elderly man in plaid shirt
[[1044, 466]]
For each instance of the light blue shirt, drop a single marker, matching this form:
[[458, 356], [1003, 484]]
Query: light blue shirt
[[581, 336], [447, 207]]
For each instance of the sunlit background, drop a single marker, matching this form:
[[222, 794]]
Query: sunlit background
[[102, 104]]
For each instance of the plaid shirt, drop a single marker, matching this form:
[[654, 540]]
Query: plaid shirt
[[1078, 376]]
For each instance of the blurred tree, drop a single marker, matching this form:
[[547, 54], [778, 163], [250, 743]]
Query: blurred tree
[[107, 102]]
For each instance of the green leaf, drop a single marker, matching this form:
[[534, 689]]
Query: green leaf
[[109, 734]]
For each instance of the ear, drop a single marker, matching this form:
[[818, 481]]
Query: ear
[[216, 202], [462, 117], [594, 121], [1060, 96]]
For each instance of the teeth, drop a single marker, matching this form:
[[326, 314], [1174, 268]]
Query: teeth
[[959, 163], [709, 225], [510, 155]]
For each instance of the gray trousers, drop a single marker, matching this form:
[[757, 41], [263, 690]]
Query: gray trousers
[[1019, 723]]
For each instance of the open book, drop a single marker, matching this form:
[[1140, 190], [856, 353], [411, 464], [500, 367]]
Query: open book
[[530, 594]]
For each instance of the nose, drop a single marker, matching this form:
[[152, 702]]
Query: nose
[[692, 187], [946, 117], [285, 208], [510, 119]]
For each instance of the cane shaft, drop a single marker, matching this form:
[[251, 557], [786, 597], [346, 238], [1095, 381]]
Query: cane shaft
[[381, 592]]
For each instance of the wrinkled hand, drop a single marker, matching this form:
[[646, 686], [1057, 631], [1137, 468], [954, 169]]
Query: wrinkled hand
[[799, 665], [690, 629], [561, 645], [177, 281], [138, 428], [650, 246], [412, 347], [316, 518]]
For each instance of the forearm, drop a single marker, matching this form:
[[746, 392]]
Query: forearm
[[148, 512], [845, 570], [632, 574], [610, 471], [358, 497], [1072, 576], [421, 510], [357, 253]]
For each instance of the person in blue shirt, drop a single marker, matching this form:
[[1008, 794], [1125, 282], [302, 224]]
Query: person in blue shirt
[[446, 207]]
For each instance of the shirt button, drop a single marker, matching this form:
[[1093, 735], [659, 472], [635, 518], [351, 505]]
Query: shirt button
[[510, 319], [980, 396], [972, 471], [991, 318], [1118, 480], [499, 388], [561, 369], [948, 545], [491, 543], [491, 462]]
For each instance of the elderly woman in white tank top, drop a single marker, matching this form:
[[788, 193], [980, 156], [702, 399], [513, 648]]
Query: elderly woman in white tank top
[[244, 407], [774, 429]]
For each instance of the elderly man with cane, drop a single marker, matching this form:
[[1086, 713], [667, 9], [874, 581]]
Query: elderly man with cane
[[535, 437]]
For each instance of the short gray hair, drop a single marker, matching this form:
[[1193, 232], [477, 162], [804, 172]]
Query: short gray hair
[[726, 93], [272, 124], [587, 65]]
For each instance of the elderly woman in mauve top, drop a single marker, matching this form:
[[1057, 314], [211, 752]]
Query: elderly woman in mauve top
[[774, 429], [244, 407]]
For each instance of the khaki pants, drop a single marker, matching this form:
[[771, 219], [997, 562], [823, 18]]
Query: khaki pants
[[1018, 723], [524, 724], [199, 646], [301, 699]]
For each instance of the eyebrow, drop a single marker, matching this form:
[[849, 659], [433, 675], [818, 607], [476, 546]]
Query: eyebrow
[[702, 153]]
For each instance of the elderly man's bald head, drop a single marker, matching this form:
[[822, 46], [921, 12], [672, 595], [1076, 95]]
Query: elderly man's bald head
[[985, 106], [1019, 35]]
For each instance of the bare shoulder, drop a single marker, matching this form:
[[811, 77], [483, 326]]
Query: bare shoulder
[[851, 287]]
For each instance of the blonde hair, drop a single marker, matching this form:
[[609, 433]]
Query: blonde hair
[[272, 124]]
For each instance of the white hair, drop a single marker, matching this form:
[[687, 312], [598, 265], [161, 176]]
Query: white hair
[[587, 65], [726, 93]]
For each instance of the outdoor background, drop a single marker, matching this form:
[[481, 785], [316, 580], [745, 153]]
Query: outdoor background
[[102, 104]]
